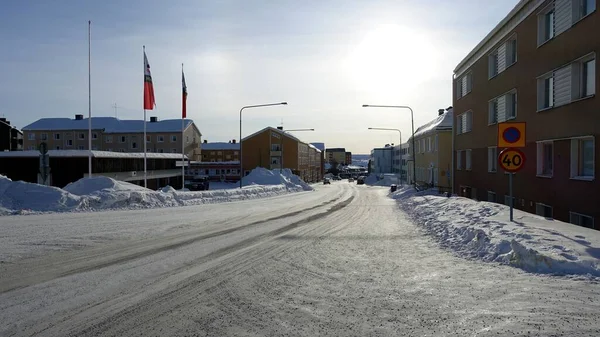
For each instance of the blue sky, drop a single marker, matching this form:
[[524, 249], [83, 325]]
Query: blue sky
[[326, 58]]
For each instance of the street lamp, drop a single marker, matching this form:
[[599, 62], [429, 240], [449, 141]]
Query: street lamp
[[241, 147], [412, 119], [399, 132], [293, 130]]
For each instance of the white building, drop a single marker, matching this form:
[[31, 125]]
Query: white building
[[400, 165], [382, 159]]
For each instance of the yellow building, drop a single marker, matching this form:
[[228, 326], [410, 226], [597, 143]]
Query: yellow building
[[433, 148]]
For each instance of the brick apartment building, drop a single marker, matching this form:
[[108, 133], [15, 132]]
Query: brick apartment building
[[115, 135], [538, 66], [220, 151], [337, 155]]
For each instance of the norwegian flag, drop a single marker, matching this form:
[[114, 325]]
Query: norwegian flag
[[184, 95], [149, 102]]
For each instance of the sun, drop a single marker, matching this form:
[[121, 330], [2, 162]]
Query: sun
[[391, 58]]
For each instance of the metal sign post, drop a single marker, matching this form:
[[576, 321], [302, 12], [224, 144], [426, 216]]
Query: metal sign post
[[510, 193], [511, 160]]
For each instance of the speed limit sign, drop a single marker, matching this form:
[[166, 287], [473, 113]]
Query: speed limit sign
[[511, 159]]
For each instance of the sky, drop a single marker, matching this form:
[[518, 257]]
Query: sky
[[325, 58]]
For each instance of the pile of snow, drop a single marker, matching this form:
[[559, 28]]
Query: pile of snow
[[382, 179], [97, 184], [482, 230], [98, 193], [285, 177]]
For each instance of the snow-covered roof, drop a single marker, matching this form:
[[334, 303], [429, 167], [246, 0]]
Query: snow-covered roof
[[441, 123], [314, 147], [107, 124], [220, 146], [95, 154], [280, 132]]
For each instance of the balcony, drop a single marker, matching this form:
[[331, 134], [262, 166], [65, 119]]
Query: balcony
[[275, 166], [275, 153]]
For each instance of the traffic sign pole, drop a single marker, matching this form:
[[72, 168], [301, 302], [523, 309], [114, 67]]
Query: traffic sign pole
[[510, 192]]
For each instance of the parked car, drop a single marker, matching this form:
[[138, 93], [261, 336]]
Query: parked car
[[393, 187], [350, 180], [326, 181], [197, 184], [360, 180]]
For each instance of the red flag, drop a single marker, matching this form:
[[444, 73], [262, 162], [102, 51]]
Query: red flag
[[184, 96], [149, 102]]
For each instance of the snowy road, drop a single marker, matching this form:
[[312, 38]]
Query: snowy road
[[342, 260]]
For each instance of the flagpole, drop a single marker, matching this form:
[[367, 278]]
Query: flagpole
[[89, 98], [145, 140], [182, 132]]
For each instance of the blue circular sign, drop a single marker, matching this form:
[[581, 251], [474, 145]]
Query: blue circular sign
[[511, 135]]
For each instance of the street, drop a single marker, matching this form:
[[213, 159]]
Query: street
[[342, 260]]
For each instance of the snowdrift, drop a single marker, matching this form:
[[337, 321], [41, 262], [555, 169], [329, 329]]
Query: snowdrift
[[481, 230], [98, 193]]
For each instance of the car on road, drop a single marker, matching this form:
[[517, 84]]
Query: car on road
[[326, 181], [360, 180], [350, 180], [197, 184]]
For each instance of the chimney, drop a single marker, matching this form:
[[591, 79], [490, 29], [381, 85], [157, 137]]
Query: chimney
[[153, 119], [205, 141], [78, 117], [280, 128], [233, 141], [441, 112]]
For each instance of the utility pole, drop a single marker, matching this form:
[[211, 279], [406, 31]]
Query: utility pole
[[114, 106]]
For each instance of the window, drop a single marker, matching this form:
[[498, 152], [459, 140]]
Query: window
[[44, 136], [219, 153], [493, 64], [581, 220], [545, 159], [511, 51], [57, 136], [418, 147], [459, 159], [546, 25], [492, 159], [109, 150], [81, 147], [543, 210], [464, 122], [582, 158], [228, 156], [507, 200], [187, 139], [81, 135], [212, 153], [428, 144], [121, 150], [148, 138], [173, 150], [58, 147], [160, 151], [511, 105], [134, 145], [493, 112], [275, 160], [108, 139], [468, 159], [275, 147], [94, 135], [31, 136], [69, 142], [31, 147], [582, 8], [160, 138], [464, 85], [546, 91], [436, 143], [173, 138], [423, 145], [491, 196], [122, 139], [588, 78], [236, 153]]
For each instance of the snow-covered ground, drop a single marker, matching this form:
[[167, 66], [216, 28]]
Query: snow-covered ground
[[482, 230], [99, 193]]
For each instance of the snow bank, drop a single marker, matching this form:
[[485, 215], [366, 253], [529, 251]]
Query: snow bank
[[482, 230], [98, 193], [285, 177], [382, 179], [96, 184]]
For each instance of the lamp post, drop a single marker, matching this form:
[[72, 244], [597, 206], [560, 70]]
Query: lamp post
[[400, 144], [412, 119], [293, 130], [241, 146]]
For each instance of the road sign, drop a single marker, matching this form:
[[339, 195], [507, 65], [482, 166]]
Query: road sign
[[511, 160], [511, 134], [43, 148]]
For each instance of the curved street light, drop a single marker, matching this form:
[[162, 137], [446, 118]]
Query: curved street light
[[242, 109], [412, 119]]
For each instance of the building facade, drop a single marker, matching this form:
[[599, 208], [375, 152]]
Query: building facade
[[433, 143], [273, 148], [228, 171], [348, 158], [337, 155], [400, 165], [382, 159], [537, 66], [11, 138], [221, 151], [114, 135]]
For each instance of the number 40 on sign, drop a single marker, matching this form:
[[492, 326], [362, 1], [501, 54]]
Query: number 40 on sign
[[511, 160]]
